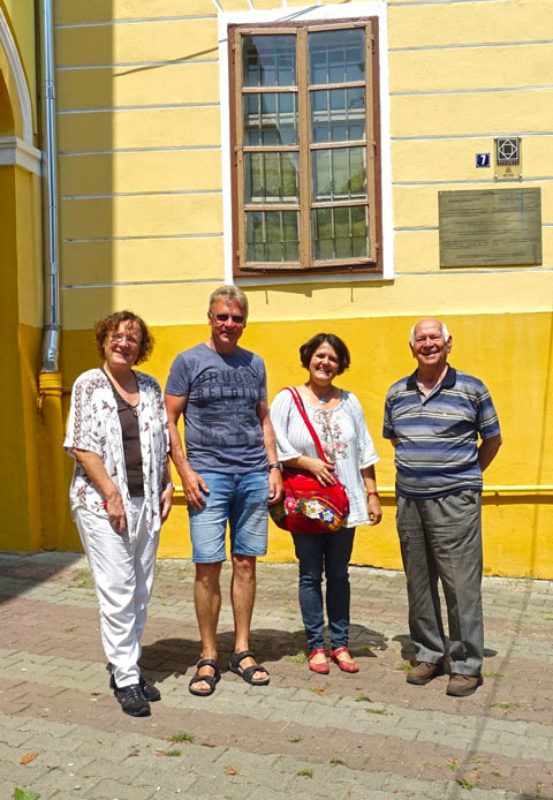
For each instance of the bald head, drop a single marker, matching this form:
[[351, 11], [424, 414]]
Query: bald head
[[443, 326]]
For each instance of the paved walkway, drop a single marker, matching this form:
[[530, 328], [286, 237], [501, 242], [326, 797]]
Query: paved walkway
[[370, 735]]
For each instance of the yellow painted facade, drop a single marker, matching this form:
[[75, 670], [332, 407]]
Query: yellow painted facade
[[142, 136]]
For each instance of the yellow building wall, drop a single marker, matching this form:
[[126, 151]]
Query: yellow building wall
[[517, 520], [141, 204]]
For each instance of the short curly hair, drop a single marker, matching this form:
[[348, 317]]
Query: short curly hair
[[111, 322], [307, 350]]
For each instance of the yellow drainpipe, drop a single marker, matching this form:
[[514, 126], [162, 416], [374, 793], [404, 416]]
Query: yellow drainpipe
[[54, 495]]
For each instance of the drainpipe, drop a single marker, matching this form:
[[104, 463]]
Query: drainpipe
[[50, 379]]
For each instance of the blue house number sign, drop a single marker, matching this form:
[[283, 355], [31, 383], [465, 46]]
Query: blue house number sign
[[482, 159]]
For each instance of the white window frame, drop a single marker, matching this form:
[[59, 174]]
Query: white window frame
[[327, 12]]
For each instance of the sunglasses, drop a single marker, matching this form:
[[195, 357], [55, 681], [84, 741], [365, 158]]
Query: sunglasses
[[238, 319]]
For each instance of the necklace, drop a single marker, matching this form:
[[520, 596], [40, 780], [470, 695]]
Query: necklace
[[118, 396], [132, 409]]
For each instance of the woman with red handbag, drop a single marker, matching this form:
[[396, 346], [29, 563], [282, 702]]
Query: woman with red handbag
[[321, 430]]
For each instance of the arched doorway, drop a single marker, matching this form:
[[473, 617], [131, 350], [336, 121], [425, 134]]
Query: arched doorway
[[20, 303]]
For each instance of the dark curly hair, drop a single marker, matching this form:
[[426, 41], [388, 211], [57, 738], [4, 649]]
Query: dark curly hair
[[307, 350], [105, 326]]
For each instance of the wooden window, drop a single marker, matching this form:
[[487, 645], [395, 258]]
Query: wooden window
[[305, 150]]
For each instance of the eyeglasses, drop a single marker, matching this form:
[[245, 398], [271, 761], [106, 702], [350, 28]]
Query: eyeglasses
[[118, 338], [238, 319]]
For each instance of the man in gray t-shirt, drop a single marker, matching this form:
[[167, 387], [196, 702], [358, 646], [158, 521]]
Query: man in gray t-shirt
[[229, 474]]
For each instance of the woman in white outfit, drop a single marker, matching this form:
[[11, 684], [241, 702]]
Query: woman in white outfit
[[121, 493]]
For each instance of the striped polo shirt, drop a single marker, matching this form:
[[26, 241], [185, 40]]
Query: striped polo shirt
[[437, 436]]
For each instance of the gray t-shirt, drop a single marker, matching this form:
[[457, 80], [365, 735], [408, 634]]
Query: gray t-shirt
[[222, 429]]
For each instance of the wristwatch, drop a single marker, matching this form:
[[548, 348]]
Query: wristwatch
[[275, 465]]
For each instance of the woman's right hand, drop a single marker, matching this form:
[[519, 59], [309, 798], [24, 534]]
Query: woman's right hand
[[322, 470], [116, 512]]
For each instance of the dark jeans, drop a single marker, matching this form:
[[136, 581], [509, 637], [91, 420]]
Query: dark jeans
[[331, 551]]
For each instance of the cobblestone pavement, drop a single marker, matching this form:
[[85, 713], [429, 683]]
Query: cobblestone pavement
[[370, 735]]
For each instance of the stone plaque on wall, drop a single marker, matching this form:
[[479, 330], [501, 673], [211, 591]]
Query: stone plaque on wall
[[487, 227]]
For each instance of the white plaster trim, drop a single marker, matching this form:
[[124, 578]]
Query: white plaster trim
[[7, 42], [15, 151], [371, 8]]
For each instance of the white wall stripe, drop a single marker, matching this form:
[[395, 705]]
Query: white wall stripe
[[117, 109], [133, 21], [183, 148], [146, 237], [471, 46], [138, 65], [166, 193]]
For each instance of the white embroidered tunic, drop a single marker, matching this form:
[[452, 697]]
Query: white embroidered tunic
[[94, 425], [344, 438]]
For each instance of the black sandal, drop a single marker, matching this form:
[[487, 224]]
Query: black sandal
[[246, 673], [211, 680]]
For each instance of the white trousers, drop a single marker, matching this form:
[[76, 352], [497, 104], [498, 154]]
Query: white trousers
[[122, 567]]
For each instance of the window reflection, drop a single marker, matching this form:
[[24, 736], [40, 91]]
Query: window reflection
[[272, 236], [336, 56], [269, 60]]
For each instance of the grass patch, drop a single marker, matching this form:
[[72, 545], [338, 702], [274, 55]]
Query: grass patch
[[82, 579], [299, 658], [305, 773], [25, 794], [464, 784], [173, 753], [337, 762], [506, 706], [492, 674], [405, 666], [181, 736], [375, 711], [363, 698], [298, 738]]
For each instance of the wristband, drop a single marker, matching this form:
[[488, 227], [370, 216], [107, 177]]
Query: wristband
[[276, 465], [170, 484], [373, 494]]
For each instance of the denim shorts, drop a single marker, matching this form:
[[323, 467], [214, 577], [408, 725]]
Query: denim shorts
[[240, 500]]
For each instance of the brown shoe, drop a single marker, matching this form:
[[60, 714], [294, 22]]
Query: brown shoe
[[423, 672], [463, 685]]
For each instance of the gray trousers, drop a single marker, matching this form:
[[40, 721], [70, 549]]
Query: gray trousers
[[442, 539]]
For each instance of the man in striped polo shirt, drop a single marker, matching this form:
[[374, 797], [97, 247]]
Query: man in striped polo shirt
[[434, 418]]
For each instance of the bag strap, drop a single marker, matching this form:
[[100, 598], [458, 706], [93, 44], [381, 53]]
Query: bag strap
[[301, 408]]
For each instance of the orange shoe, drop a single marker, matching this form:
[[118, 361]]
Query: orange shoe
[[321, 666], [344, 664]]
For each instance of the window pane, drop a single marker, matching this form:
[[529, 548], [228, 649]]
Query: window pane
[[272, 236], [337, 115], [340, 232], [339, 174], [269, 60], [336, 56], [271, 178], [270, 118]]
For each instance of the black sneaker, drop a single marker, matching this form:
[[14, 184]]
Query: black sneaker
[[150, 692], [132, 700]]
